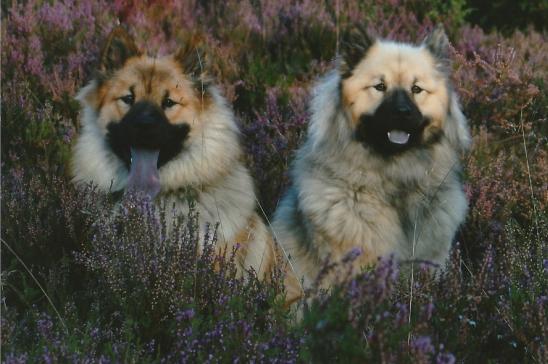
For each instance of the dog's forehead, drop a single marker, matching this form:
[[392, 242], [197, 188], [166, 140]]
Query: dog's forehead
[[151, 75], [396, 63], [158, 69]]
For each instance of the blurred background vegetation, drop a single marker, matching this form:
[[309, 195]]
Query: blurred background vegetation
[[104, 290]]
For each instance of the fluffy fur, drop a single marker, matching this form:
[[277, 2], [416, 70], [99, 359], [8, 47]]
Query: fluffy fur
[[350, 191], [202, 164]]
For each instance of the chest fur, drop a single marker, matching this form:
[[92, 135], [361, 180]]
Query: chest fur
[[379, 216]]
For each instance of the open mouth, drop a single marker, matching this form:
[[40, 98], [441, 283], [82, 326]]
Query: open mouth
[[398, 136], [143, 173], [145, 140], [395, 127]]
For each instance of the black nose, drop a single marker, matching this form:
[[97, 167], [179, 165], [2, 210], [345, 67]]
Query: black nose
[[402, 103], [146, 126], [145, 113]]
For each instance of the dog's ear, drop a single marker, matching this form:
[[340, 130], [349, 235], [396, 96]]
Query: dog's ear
[[354, 45], [437, 43], [118, 48], [191, 57]]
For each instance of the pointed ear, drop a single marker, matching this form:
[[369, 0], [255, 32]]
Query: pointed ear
[[354, 45], [191, 57], [118, 48], [438, 44], [88, 94]]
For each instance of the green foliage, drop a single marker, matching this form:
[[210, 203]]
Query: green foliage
[[508, 15]]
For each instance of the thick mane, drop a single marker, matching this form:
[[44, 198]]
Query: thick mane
[[209, 155], [456, 129], [330, 139], [105, 169], [328, 122], [205, 158]]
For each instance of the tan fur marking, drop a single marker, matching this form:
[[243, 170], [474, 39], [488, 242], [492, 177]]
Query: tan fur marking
[[398, 66], [245, 234], [152, 79]]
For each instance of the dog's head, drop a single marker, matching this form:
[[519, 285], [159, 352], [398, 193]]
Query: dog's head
[[396, 95], [148, 110]]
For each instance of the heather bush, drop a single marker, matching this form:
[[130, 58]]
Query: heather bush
[[271, 137], [81, 284], [367, 319], [46, 53], [137, 287]]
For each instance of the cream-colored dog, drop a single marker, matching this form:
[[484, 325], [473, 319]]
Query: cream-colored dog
[[380, 169]]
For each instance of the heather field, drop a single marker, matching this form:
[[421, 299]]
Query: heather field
[[79, 285]]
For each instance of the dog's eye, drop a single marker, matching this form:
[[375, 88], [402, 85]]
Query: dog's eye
[[128, 99], [380, 87], [416, 89], [167, 103]]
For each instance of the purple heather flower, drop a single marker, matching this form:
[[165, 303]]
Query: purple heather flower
[[185, 315], [58, 15], [422, 344], [445, 358]]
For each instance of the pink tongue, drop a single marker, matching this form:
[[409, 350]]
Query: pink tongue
[[143, 175], [398, 136]]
